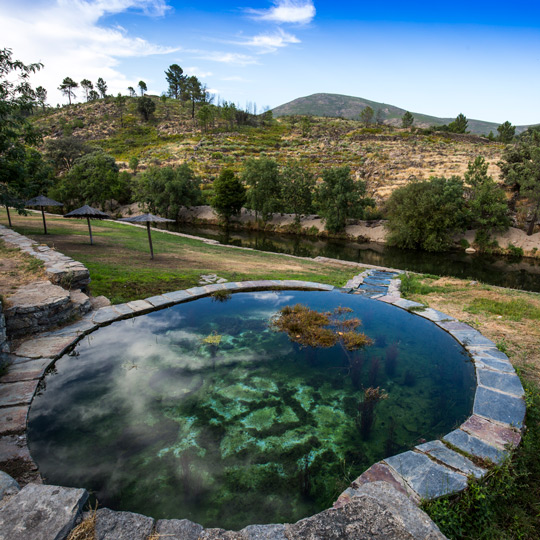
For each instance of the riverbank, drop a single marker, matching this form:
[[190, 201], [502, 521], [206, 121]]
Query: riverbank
[[361, 231]]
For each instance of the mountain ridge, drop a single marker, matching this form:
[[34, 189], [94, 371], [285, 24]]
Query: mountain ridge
[[350, 107]]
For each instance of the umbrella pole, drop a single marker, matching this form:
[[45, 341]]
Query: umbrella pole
[[44, 222], [8, 216], [90, 231], [150, 240]]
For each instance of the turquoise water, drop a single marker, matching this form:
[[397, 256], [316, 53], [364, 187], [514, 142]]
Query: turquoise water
[[251, 430]]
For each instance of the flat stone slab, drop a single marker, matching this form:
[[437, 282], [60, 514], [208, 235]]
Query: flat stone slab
[[471, 338], [105, 315], [158, 301], [504, 382], [178, 529], [19, 393], [492, 363], [122, 525], [442, 453], [455, 326], [380, 472], [434, 315], [429, 479], [123, 309], [378, 512], [140, 305], [407, 304], [34, 369], [474, 446], [13, 420], [500, 407], [45, 347], [494, 434], [14, 448], [177, 296], [40, 512], [8, 486], [389, 299]]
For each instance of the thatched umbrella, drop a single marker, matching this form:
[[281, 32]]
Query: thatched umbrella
[[147, 218], [42, 201], [89, 213]]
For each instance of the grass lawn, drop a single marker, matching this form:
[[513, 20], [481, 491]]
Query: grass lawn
[[121, 269]]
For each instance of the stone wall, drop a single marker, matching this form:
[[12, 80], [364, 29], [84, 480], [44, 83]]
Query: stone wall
[[4, 345]]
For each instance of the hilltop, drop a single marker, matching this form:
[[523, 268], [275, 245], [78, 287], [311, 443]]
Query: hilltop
[[384, 156], [340, 106]]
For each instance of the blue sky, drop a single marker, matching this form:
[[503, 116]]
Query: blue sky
[[479, 58]]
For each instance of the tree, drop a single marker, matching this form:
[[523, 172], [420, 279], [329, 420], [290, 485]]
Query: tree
[[424, 214], [229, 195], [133, 163], [205, 115], [120, 102], [175, 78], [131, 91], [17, 100], [407, 120], [101, 85], [146, 107], [87, 85], [264, 186], [366, 116], [506, 132], [298, 185], [68, 88], [305, 126], [63, 153], [194, 91], [520, 168], [93, 95], [486, 201], [93, 179], [459, 125], [340, 197], [41, 97], [228, 113], [379, 117], [142, 87], [165, 191]]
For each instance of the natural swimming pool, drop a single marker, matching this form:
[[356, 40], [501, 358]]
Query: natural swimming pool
[[157, 415]]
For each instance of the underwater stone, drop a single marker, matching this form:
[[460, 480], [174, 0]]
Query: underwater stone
[[13, 420], [40, 512], [427, 478], [158, 301], [178, 529], [474, 446], [508, 383], [500, 407], [122, 525], [494, 434], [442, 453], [378, 512], [8, 486], [18, 393]]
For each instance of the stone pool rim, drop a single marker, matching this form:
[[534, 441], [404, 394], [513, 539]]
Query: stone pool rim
[[430, 470]]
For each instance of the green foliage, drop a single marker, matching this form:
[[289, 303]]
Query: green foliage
[[340, 197], [297, 189], [229, 195], [142, 87], [407, 120], [262, 177], [146, 107], [101, 85], [133, 163], [87, 86], [68, 88], [506, 132], [366, 116], [486, 201], [426, 213], [514, 251], [515, 310], [164, 191], [93, 180], [505, 503], [175, 78], [63, 153], [520, 168], [459, 125]]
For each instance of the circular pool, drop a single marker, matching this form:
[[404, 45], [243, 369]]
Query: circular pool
[[203, 411]]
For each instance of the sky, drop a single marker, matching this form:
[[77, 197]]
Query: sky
[[478, 58]]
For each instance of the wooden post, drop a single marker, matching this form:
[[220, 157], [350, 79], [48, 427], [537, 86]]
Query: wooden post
[[150, 240], [44, 222], [8, 216], [90, 230]]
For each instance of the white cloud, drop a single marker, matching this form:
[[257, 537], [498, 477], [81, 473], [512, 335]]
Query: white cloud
[[267, 43], [69, 40], [225, 57], [286, 11], [198, 72], [235, 78]]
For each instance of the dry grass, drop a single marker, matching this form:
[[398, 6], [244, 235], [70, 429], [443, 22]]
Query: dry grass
[[86, 529]]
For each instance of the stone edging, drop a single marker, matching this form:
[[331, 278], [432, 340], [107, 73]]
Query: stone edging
[[430, 470]]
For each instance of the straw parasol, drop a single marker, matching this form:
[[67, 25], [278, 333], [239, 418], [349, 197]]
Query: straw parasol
[[42, 201], [89, 213], [147, 218]]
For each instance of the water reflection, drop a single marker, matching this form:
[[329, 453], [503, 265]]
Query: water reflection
[[156, 418]]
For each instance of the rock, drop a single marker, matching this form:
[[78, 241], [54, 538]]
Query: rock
[[99, 302], [13, 420], [17, 393], [40, 512], [178, 529], [122, 526], [470, 250], [377, 512], [8, 486], [264, 532]]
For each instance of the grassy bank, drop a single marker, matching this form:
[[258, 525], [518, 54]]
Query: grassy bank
[[121, 269]]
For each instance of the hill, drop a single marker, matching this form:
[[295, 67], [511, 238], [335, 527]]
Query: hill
[[339, 106]]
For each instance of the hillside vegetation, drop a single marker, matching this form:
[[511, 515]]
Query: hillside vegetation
[[349, 107], [384, 156]]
